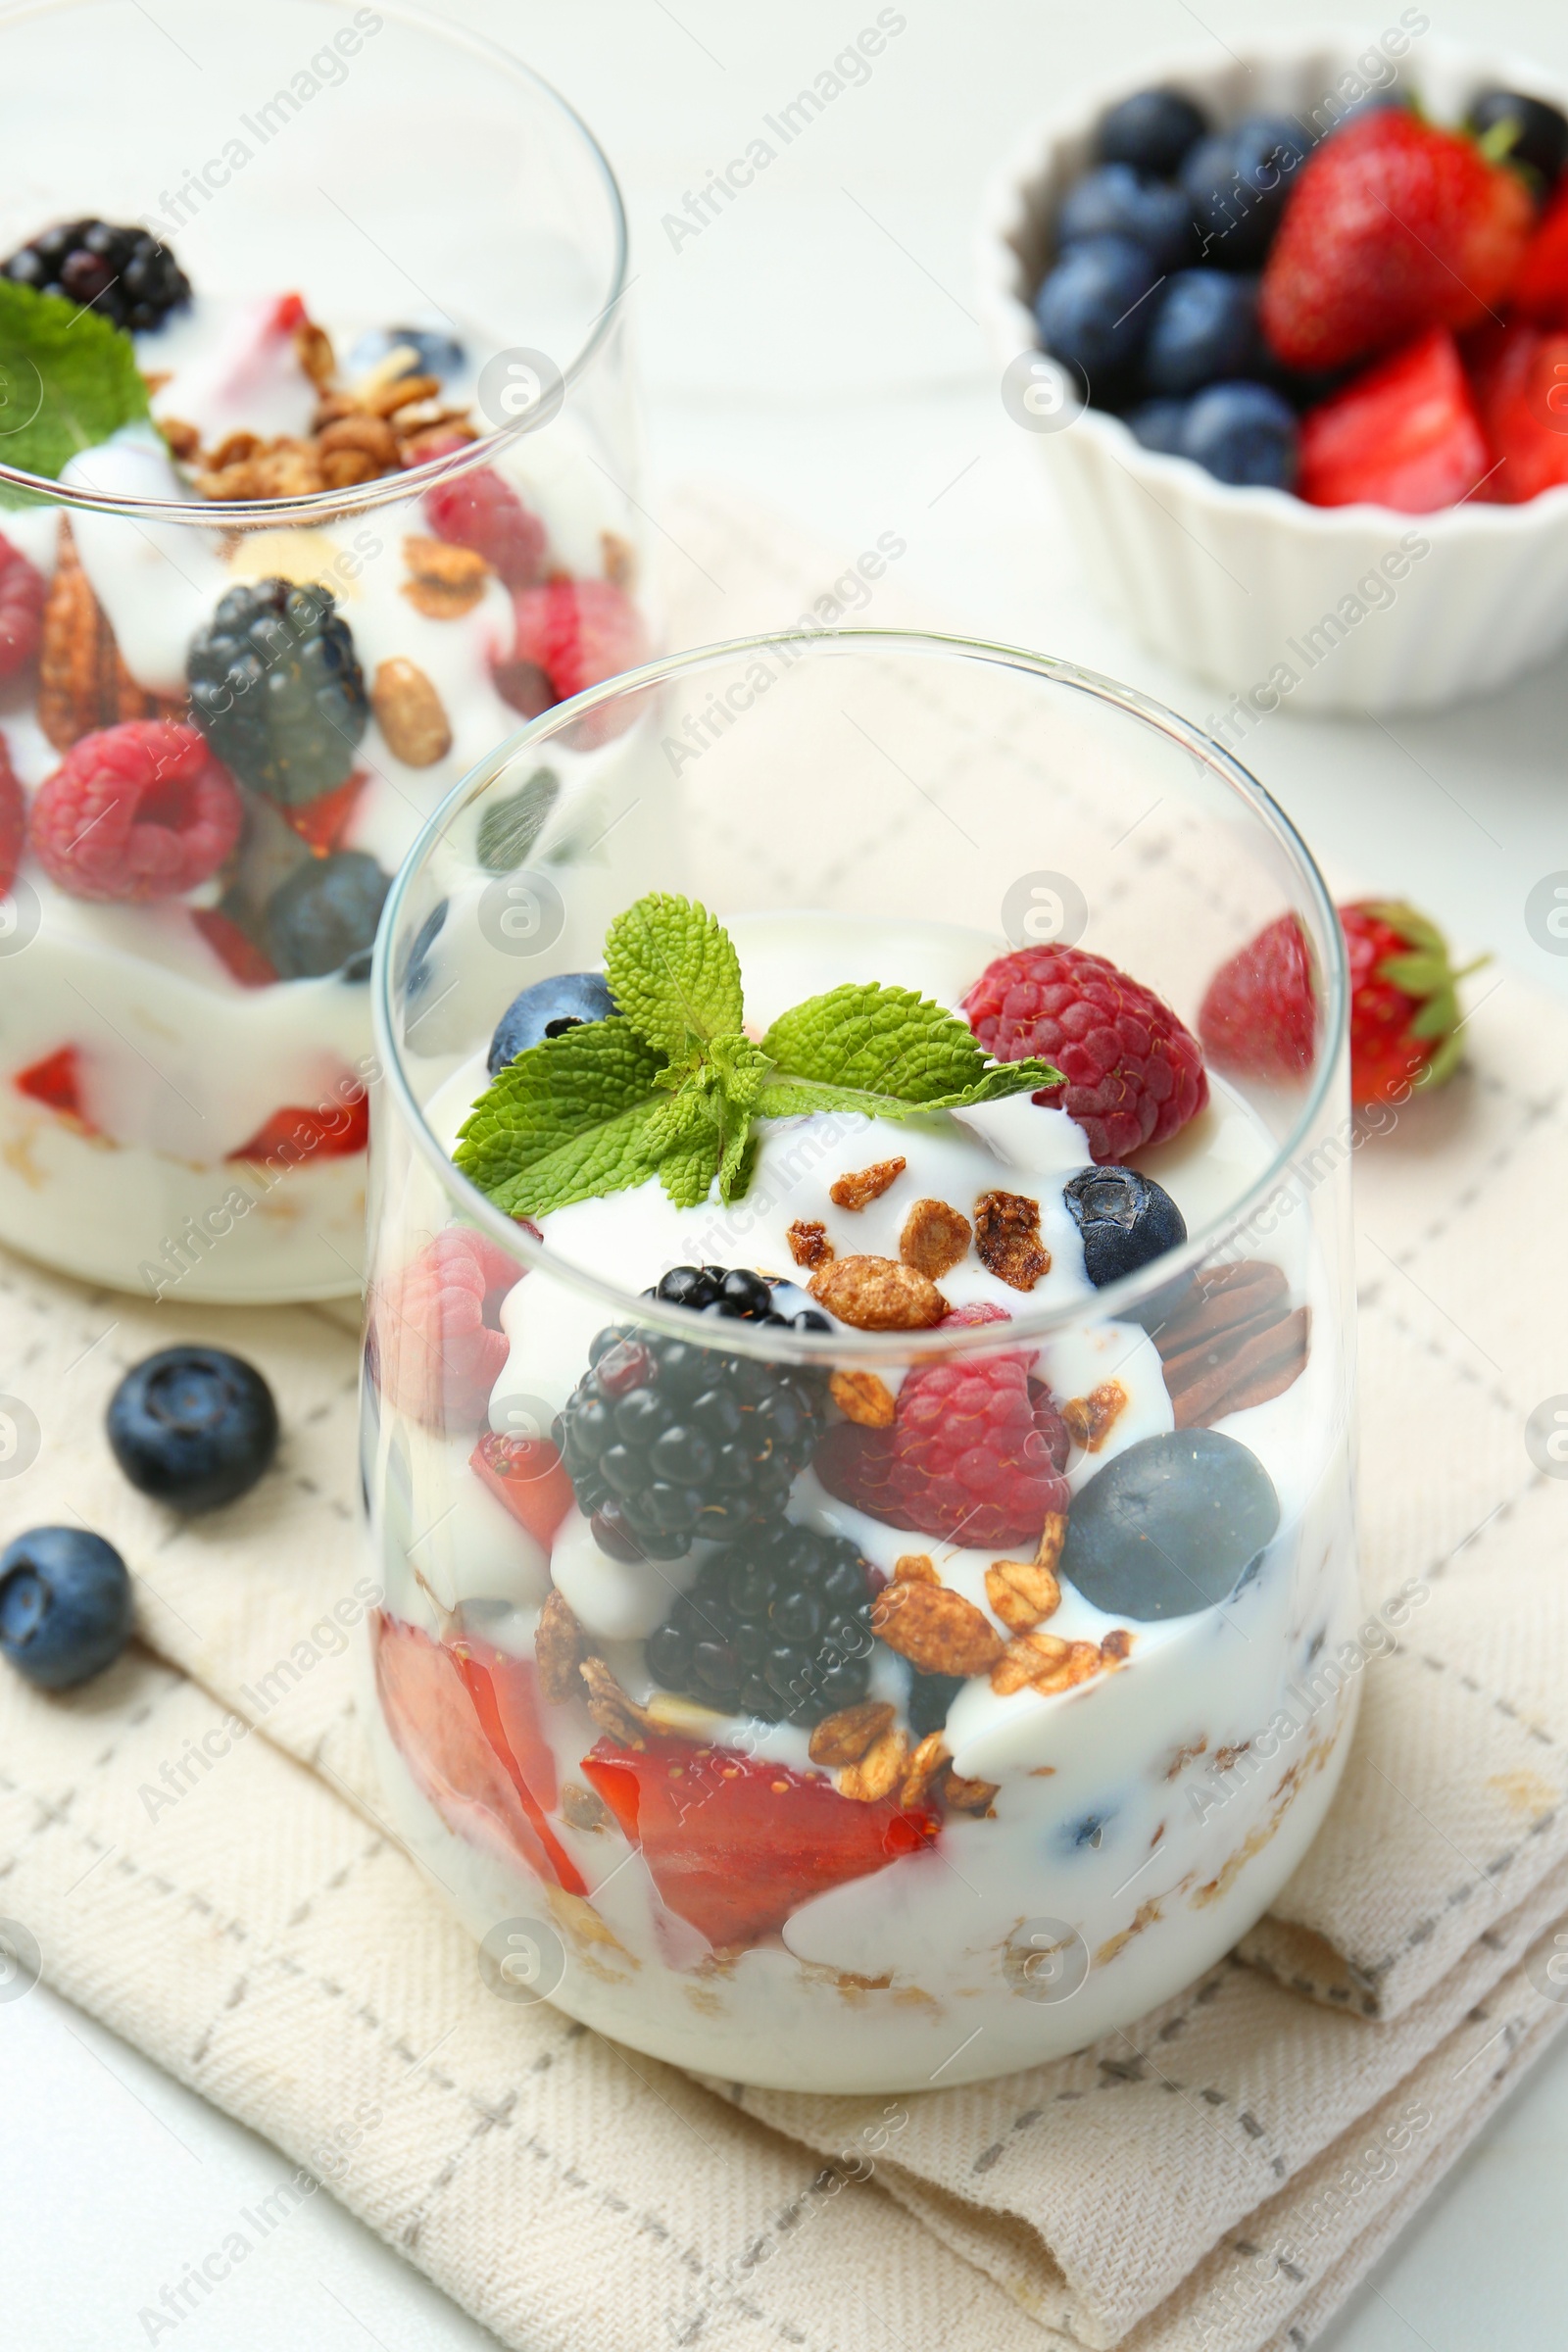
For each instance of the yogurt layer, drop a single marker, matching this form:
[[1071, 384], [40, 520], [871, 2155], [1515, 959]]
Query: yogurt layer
[[1129, 1825]]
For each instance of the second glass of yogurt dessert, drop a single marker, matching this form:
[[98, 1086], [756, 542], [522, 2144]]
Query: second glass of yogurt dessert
[[855, 1423], [318, 475]]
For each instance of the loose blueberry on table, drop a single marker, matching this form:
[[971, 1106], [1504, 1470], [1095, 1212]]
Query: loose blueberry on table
[[65, 1606], [193, 1427], [1373, 316]]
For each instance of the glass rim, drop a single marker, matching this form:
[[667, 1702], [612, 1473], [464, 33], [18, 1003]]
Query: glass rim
[[318, 507], [1029, 1326]]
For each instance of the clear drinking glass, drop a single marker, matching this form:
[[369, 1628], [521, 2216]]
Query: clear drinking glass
[[1000, 1700], [399, 405]]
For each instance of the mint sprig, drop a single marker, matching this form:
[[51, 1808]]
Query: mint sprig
[[67, 380], [671, 1082]]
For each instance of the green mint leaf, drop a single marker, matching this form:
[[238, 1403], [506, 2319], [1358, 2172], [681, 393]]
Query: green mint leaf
[[509, 829], [886, 1051], [787, 1097], [69, 380], [674, 971], [687, 1173], [742, 1070], [565, 1122]]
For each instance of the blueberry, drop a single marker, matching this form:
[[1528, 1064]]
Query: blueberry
[[193, 1427], [1170, 1526], [415, 972], [434, 354], [1125, 1220], [1153, 129], [1541, 133], [64, 1606], [1116, 201], [322, 918], [549, 1010], [1245, 434], [1157, 424], [1204, 330], [1238, 182], [1090, 310]]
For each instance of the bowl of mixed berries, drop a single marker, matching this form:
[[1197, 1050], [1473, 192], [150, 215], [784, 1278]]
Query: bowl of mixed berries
[[1294, 336]]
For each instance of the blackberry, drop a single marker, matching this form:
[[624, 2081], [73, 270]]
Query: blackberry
[[777, 1625], [736, 1291], [930, 1697], [667, 1442], [277, 689], [123, 274]]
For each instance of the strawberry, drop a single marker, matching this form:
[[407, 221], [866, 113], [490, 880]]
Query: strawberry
[[1521, 380], [465, 1719], [233, 948], [1404, 434], [528, 1476], [1541, 289], [1393, 226], [734, 1844], [572, 634], [311, 1134], [56, 1082], [1257, 1016]]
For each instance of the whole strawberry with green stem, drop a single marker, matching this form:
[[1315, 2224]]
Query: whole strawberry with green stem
[[1257, 1019]]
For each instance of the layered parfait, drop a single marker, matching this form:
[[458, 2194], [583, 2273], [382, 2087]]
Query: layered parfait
[[282, 598], [873, 1653]]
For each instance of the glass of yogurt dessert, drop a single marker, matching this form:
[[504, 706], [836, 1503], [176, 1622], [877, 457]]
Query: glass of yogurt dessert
[[318, 454], [855, 1418]]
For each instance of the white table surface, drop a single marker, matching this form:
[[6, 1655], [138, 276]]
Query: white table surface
[[815, 345]]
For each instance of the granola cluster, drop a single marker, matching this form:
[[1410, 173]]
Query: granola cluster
[[379, 425]]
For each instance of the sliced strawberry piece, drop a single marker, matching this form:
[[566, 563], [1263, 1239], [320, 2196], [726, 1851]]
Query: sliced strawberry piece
[[1395, 226], [1541, 289], [528, 1476], [322, 822], [735, 1845], [230, 945], [1405, 434], [56, 1081], [1521, 380], [466, 1721], [311, 1134]]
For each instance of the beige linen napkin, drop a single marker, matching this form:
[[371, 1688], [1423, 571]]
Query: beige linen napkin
[[1218, 2175]]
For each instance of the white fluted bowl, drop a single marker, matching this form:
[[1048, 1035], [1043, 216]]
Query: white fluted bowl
[[1323, 608]]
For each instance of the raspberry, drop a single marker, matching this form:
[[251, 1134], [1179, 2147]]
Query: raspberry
[[1256, 1018], [23, 589], [1134, 1075], [13, 820], [481, 510], [137, 812], [439, 1349], [975, 1455], [577, 633]]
